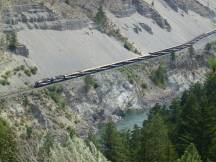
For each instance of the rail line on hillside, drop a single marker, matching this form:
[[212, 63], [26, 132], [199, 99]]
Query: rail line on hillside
[[61, 78]]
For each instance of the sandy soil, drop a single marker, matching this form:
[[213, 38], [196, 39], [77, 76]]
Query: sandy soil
[[184, 27], [61, 52]]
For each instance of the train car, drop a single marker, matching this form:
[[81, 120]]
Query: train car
[[149, 56], [40, 83], [68, 76], [72, 76], [107, 67], [58, 78], [88, 72], [43, 82]]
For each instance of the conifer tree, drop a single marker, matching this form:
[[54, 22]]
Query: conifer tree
[[100, 17], [156, 146], [113, 145], [198, 123], [190, 155], [135, 143]]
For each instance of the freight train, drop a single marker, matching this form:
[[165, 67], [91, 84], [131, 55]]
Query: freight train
[[60, 78]]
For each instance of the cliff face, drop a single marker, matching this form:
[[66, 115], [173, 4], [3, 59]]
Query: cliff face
[[123, 5], [193, 5]]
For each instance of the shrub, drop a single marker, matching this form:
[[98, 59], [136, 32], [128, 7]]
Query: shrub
[[4, 82], [6, 75], [131, 76], [144, 85], [210, 48], [28, 132], [12, 41], [110, 29], [173, 56], [7, 143], [48, 144], [33, 70], [71, 132], [212, 63], [55, 93], [27, 72], [22, 67], [128, 46], [192, 51], [90, 83], [159, 76], [56, 88], [25, 101]]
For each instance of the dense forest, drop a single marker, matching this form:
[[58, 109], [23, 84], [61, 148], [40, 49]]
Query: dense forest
[[183, 132]]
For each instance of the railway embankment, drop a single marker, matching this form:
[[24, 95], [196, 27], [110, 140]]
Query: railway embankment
[[86, 102]]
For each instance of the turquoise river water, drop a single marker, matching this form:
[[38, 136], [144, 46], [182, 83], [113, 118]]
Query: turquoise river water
[[131, 118]]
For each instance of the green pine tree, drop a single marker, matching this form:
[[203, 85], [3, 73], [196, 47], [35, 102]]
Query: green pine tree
[[100, 17], [113, 144], [156, 146], [198, 123], [135, 143], [190, 155], [210, 89]]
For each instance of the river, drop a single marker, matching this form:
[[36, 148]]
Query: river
[[131, 118]]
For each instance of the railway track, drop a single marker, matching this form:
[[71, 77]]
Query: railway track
[[61, 78]]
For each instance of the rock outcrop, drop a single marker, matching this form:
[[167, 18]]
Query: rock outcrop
[[193, 5]]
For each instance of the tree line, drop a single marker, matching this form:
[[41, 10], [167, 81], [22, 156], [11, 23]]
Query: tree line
[[183, 132]]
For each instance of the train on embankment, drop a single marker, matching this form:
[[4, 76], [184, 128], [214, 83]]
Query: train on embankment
[[61, 78]]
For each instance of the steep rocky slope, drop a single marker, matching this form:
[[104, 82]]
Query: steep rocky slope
[[57, 113], [181, 25], [62, 37], [37, 120], [151, 25]]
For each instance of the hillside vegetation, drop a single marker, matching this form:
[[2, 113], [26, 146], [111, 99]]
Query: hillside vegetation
[[183, 132]]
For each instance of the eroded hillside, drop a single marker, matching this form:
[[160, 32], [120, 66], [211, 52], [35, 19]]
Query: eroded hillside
[[48, 38], [63, 37], [63, 111]]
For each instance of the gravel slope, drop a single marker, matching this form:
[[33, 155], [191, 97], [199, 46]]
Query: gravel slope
[[61, 52], [184, 27]]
